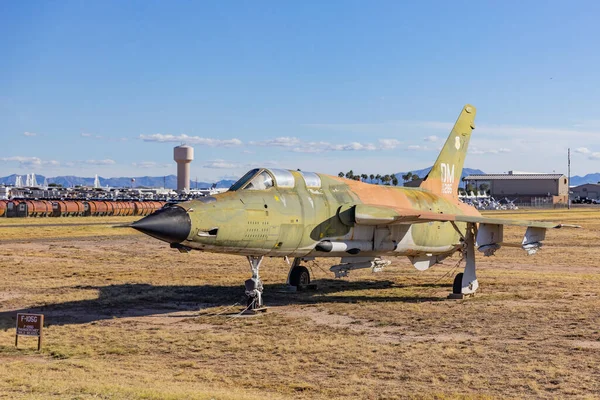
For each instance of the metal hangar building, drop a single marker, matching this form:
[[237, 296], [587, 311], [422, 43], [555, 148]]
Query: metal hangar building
[[525, 187]]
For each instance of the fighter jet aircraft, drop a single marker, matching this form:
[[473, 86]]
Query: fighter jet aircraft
[[304, 215]]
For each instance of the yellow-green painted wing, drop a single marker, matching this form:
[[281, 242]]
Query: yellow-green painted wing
[[365, 214]]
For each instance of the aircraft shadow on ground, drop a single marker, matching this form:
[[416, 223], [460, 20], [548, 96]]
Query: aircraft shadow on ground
[[134, 300]]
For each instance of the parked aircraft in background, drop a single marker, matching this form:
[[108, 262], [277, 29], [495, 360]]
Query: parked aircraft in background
[[304, 215]]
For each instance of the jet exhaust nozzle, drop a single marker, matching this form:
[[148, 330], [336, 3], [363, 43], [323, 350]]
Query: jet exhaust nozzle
[[171, 224]]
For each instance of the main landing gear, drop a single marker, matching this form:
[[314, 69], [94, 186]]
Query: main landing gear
[[298, 275], [465, 283]]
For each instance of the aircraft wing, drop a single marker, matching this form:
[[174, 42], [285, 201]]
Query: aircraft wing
[[365, 214], [490, 231]]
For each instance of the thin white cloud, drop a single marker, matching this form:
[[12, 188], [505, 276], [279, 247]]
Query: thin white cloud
[[582, 150], [31, 161], [591, 124], [159, 137], [376, 128], [223, 164], [220, 164], [592, 155], [106, 161], [389, 144], [100, 137], [474, 150], [262, 164], [321, 147], [354, 146], [150, 164], [431, 138], [417, 147], [284, 141], [29, 134]]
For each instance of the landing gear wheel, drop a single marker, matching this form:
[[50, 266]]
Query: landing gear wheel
[[457, 285], [299, 276]]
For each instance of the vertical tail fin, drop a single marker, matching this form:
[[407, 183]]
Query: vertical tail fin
[[444, 177]]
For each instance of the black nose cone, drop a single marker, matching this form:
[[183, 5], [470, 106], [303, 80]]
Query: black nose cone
[[171, 224]]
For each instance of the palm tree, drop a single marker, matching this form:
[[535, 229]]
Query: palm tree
[[372, 177], [364, 176]]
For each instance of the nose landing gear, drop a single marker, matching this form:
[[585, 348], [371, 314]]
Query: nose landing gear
[[254, 287]]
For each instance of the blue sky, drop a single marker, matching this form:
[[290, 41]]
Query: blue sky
[[109, 87]]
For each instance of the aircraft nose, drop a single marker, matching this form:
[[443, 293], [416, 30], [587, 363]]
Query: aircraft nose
[[171, 224]]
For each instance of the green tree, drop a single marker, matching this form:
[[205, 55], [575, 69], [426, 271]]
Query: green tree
[[414, 177], [407, 176], [378, 177], [350, 174], [341, 174], [372, 177], [386, 179], [364, 177], [394, 180]]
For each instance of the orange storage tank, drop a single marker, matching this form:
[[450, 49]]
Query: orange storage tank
[[155, 205], [66, 208], [3, 207], [110, 207], [80, 208], [38, 208], [141, 208], [117, 208], [98, 208], [128, 208]]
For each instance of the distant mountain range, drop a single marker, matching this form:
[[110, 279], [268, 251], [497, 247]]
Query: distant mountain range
[[589, 178], [170, 181]]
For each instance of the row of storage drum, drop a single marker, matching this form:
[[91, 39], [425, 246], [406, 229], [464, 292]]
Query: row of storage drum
[[76, 208]]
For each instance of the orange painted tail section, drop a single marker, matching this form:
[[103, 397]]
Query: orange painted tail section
[[444, 177]]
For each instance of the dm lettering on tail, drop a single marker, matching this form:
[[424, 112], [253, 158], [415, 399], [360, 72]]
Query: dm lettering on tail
[[444, 177]]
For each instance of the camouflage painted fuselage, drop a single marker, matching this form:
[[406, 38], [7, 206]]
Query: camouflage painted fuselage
[[293, 221]]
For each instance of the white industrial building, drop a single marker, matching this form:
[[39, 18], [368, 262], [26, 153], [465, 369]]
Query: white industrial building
[[587, 190]]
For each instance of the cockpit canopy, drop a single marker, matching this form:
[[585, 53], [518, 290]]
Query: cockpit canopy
[[264, 178]]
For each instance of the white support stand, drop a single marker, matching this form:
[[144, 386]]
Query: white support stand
[[468, 284], [254, 286]]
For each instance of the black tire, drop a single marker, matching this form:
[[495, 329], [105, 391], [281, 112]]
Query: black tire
[[299, 276], [457, 285]]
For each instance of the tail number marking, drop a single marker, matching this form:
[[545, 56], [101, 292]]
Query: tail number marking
[[447, 178]]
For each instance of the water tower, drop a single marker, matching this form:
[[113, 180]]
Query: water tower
[[183, 155]]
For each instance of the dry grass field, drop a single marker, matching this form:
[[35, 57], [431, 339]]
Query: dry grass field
[[129, 318]]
